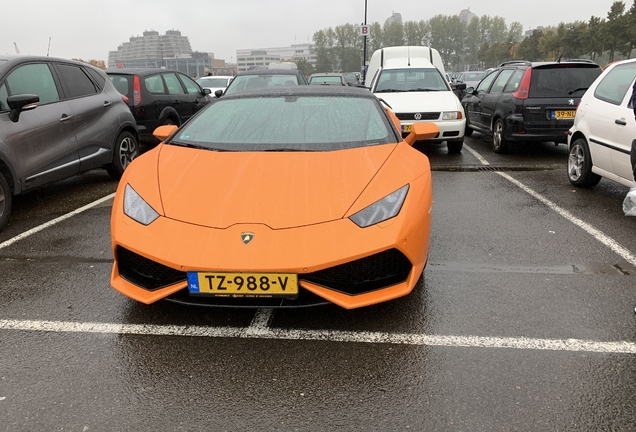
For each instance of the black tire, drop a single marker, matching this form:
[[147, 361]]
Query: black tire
[[126, 149], [5, 201], [580, 165], [499, 143], [455, 146]]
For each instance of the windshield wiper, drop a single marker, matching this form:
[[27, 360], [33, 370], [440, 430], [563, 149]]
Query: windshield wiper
[[423, 90], [188, 145], [389, 91], [578, 89]]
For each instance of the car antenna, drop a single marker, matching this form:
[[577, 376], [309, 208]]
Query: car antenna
[[49, 48], [408, 51], [566, 46]]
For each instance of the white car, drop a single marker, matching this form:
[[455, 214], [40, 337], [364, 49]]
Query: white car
[[412, 81], [604, 128], [215, 83]]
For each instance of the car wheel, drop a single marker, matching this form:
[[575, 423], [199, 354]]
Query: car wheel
[[5, 201], [455, 146], [126, 149], [580, 165], [499, 143]]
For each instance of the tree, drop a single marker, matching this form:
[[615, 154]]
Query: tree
[[97, 63]]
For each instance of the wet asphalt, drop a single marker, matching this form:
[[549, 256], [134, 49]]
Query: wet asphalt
[[504, 268]]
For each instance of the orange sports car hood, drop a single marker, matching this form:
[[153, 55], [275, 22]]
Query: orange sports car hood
[[278, 189]]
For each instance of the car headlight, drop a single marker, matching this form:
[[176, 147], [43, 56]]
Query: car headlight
[[451, 115], [136, 208], [381, 210]]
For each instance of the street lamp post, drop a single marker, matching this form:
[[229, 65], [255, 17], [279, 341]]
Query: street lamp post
[[364, 62]]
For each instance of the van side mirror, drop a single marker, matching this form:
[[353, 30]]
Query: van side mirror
[[19, 103], [206, 91], [218, 93]]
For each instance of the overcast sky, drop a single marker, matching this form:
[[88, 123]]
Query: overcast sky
[[88, 29]]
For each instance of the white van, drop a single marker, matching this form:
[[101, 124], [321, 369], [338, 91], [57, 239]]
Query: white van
[[411, 80]]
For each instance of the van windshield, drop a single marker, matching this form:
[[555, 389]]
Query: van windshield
[[410, 80]]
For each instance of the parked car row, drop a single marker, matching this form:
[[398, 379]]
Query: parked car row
[[60, 117]]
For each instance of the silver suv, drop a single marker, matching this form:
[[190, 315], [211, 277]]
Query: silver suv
[[58, 118]]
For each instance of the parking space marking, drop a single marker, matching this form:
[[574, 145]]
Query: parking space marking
[[54, 221], [263, 332], [612, 244], [623, 252], [477, 155]]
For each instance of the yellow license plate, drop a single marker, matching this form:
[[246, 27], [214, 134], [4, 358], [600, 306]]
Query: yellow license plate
[[566, 114], [406, 128], [226, 284]]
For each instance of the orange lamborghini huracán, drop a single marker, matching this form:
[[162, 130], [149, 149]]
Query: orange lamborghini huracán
[[284, 197]]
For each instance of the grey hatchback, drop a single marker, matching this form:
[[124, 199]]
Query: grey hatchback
[[58, 118]]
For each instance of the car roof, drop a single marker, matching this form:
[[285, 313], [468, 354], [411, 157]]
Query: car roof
[[139, 71], [269, 72], [12, 59], [303, 91]]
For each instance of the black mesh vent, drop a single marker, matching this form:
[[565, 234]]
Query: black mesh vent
[[366, 274], [425, 116], [146, 273]]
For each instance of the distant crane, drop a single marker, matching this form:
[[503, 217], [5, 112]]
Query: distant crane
[[17, 51]]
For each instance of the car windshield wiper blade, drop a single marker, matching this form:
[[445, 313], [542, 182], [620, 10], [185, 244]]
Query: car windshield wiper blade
[[284, 149], [423, 90], [389, 91], [578, 89], [196, 146]]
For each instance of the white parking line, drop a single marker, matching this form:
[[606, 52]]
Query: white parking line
[[612, 244], [54, 221], [575, 345], [477, 155]]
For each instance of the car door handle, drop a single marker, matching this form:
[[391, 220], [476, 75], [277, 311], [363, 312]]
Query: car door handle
[[65, 118], [620, 122], [107, 103]]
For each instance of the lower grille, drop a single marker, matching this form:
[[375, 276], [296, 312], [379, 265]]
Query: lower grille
[[424, 116], [145, 273], [367, 274]]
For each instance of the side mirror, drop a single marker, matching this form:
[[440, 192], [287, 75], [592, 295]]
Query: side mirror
[[218, 93], [163, 132], [206, 91], [422, 131], [470, 90], [19, 103], [460, 86]]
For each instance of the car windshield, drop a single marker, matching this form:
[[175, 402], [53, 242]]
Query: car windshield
[[252, 82], [212, 82], [288, 123], [562, 80], [411, 79]]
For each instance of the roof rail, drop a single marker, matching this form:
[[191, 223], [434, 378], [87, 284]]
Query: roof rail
[[525, 62], [580, 60]]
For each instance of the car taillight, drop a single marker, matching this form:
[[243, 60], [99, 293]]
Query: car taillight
[[136, 91], [524, 88]]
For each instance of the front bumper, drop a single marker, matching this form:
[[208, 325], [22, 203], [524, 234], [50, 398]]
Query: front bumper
[[336, 262], [448, 129]]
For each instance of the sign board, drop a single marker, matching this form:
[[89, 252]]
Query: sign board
[[364, 30]]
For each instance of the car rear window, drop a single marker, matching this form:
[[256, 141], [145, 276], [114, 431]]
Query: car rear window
[[325, 80], [252, 82], [562, 80], [288, 123], [123, 84]]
